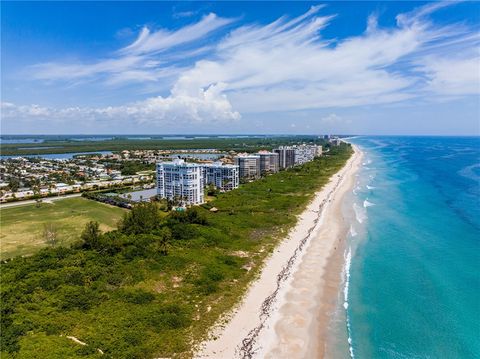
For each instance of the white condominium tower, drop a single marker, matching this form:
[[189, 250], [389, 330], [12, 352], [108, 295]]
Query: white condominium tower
[[248, 165], [223, 177], [180, 181], [305, 153]]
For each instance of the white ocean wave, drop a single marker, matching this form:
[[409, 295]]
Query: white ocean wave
[[352, 231], [368, 204], [348, 261], [346, 271], [360, 213], [370, 187]]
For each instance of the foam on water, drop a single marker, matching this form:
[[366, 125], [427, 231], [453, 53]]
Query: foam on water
[[429, 212], [360, 213], [368, 204], [352, 231], [346, 275]]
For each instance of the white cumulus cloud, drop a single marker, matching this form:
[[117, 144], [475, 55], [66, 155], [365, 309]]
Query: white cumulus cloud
[[209, 105], [286, 65]]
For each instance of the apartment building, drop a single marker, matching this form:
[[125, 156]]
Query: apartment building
[[223, 176], [335, 141], [286, 156], [269, 162], [296, 155], [304, 153], [248, 166], [180, 181]]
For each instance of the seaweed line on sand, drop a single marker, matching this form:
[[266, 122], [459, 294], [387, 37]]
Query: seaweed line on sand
[[247, 348]]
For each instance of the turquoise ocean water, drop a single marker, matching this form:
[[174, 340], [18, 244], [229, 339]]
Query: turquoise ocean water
[[413, 266]]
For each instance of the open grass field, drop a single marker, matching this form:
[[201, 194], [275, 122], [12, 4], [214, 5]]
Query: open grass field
[[22, 227]]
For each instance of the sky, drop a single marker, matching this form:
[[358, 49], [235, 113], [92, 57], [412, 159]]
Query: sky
[[405, 68]]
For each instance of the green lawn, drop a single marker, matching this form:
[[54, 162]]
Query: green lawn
[[22, 227]]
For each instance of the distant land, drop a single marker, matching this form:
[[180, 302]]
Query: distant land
[[18, 145]]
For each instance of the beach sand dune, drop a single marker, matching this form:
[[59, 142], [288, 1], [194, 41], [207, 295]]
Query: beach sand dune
[[286, 311]]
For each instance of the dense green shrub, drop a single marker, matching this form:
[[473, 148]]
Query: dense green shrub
[[136, 296], [143, 218]]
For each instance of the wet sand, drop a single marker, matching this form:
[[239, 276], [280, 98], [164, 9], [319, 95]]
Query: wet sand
[[286, 312]]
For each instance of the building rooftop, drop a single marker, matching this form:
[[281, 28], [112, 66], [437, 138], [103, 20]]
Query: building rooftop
[[178, 162]]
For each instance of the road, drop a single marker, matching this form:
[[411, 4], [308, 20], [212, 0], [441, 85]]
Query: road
[[32, 201]]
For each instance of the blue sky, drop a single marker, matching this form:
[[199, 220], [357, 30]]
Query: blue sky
[[241, 67]]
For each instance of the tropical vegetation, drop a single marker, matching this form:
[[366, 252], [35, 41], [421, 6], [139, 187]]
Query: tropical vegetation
[[152, 287]]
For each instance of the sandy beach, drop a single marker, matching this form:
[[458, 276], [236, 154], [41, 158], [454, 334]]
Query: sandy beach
[[286, 311]]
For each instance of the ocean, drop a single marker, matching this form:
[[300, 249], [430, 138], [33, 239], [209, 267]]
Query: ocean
[[412, 279]]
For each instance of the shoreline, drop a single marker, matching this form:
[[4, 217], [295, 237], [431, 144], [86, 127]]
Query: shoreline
[[261, 325]]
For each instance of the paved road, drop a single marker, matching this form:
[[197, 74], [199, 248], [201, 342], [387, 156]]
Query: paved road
[[32, 201]]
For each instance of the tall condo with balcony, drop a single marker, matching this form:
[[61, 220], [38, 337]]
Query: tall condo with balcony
[[223, 177], [248, 166], [286, 156], [305, 153], [269, 162], [180, 181]]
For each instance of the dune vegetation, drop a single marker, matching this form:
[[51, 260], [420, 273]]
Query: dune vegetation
[[152, 287]]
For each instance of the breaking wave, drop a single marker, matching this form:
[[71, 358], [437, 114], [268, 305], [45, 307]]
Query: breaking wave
[[367, 204], [360, 213], [348, 261]]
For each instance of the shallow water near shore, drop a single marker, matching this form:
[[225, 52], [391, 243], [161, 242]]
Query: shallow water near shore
[[411, 277]]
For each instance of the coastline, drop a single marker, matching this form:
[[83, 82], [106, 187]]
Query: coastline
[[280, 315]]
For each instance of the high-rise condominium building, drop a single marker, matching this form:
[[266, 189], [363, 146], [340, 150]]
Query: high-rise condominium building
[[268, 162], [180, 181], [305, 153], [335, 141], [286, 156], [248, 166], [223, 177]]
